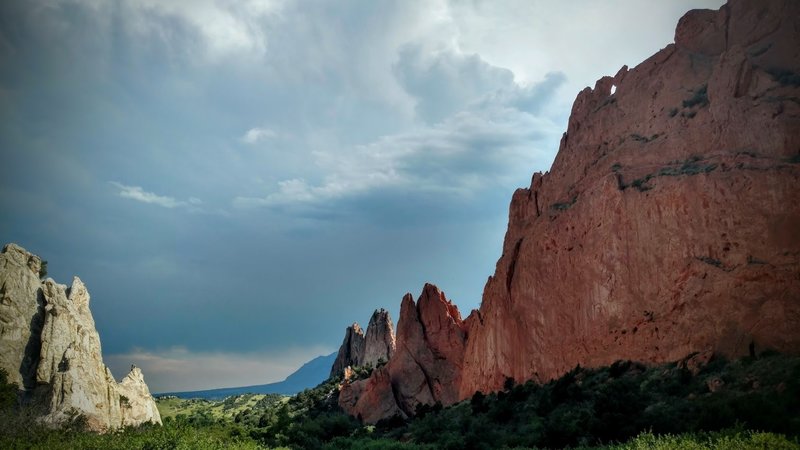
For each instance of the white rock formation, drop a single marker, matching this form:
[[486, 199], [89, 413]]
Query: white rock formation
[[51, 349], [379, 342]]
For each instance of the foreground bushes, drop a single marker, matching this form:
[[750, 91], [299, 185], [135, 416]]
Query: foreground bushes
[[663, 407], [20, 432]]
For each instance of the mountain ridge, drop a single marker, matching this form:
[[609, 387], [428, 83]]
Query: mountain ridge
[[309, 375]]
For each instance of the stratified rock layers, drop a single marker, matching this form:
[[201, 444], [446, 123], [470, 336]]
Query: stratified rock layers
[[51, 350], [668, 224], [670, 220]]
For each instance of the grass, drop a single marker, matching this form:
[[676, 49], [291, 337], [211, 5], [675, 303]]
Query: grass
[[222, 409], [626, 405]]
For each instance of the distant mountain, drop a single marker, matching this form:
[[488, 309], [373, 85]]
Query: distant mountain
[[309, 375]]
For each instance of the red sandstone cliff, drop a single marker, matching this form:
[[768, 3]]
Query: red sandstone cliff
[[668, 224], [670, 220]]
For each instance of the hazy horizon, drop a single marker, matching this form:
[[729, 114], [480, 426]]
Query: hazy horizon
[[237, 182]]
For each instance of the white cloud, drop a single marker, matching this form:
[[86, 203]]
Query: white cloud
[[226, 28], [254, 135], [486, 131], [179, 369], [140, 195]]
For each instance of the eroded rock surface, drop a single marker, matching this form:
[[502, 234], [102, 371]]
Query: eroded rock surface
[[425, 368], [669, 221], [51, 350], [667, 225], [351, 352], [379, 343]]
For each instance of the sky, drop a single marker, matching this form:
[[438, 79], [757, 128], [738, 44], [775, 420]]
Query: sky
[[238, 181]]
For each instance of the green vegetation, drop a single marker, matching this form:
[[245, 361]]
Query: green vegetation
[[216, 410], [731, 440], [564, 205], [690, 166], [8, 392], [644, 139], [20, 431], [623, 406], [710, 261], [699, 98], [785, 77], [43, 270]]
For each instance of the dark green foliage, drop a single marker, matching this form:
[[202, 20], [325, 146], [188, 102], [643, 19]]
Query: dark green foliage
[[8, 392], [725, 440], [585, 407], [785, 77], [673, 112], [690, 166], [565, 205], [644, 139], [20, 430], [710, 261], [641, 183], [616, 403], [43, 270], [699, 98]]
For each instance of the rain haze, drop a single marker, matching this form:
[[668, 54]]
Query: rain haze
[[236, 182]]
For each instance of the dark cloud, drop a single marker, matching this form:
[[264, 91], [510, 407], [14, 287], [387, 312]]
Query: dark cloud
[[443, 82], [386, 159]]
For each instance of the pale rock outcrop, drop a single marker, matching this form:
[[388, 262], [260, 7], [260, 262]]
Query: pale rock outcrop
[[51, 349], [379, 343], [136, 401], [372, 349], [351, 352], [21, 314]]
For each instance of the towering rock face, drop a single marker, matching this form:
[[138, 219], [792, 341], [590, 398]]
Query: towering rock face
[[669, 221], [426, 367], [373, 349], [351, 353], [51, 349], [379, 344], [667, 225]]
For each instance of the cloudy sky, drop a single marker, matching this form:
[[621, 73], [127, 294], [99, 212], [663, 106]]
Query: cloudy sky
[[237, 181]]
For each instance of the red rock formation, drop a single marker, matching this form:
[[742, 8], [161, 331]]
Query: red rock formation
[[670, 220], [426, 367], [669, 224], [351, 352]]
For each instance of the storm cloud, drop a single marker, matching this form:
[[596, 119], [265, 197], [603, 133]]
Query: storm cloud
[[236, 182]]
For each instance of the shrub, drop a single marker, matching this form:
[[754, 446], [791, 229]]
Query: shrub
[[699, 97]]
